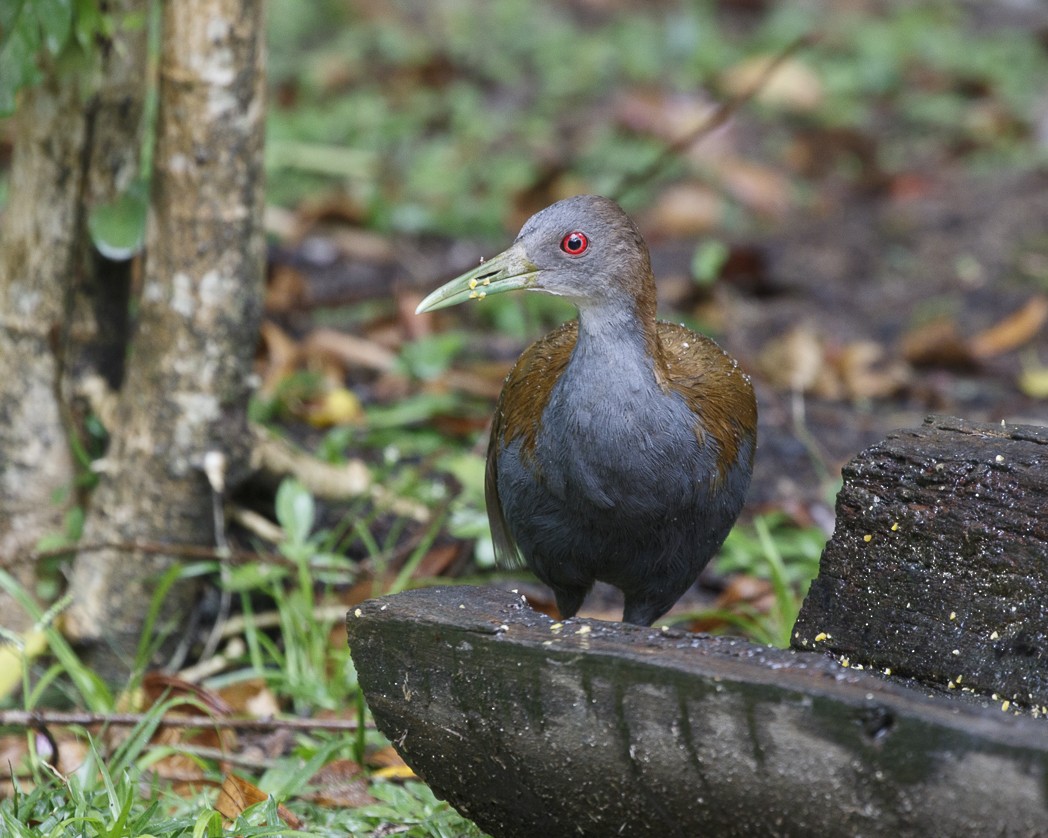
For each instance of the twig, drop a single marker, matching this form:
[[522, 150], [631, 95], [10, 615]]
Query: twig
[[37, 719], [721, 114], [186, 551]]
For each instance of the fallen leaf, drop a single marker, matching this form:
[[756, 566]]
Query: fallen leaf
[[13, 659], [340, 785], [1013, 331], [281, 357], [937, 343], [1033, 380], [754, 185], [252, 698], [237, 795], [389, 765], [396, 772], [285, 290], [685, 209], [793, 361], [351, 351], [863, 374], [792, 86], [670, 116], [338, 406]]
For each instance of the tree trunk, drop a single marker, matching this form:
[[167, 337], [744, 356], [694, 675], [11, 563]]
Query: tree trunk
[[99, 311], [37, 262], [73, 149], [585, 728], [938, 566], [187, 381]]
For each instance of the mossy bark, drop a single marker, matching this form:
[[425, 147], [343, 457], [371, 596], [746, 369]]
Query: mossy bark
[[75, 146]]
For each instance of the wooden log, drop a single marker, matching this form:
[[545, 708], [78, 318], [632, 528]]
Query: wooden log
[[585, 728], [938, 567]]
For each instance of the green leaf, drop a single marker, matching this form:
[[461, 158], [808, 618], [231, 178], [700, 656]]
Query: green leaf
[[428, 357], [17, 64], [295, 511], [118, 228], [56, 22], [9, 13], [252, 576], [708, 260], [89, 22]]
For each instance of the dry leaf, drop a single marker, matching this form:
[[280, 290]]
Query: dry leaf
[[793, 85], [669, 117], [1013, 331], [285, 290], [858, 367], [281, 356], [793, 361], [237, 794], [686, 209], [157, 687], [338, 406], [351, 351], [937, 344], [1033, 381], [743, 588], [396, 772], [340, 785], [758, 187], [252, 698]]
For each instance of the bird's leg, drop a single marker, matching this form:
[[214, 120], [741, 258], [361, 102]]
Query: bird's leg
[[644, 612], [569, 600]]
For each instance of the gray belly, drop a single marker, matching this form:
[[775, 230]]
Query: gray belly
[[618, 494]]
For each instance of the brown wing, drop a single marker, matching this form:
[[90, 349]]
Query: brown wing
[[524, 397], [696, 368]]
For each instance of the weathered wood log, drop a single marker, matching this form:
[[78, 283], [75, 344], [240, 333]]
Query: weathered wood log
[[532, 727], [938, 567]]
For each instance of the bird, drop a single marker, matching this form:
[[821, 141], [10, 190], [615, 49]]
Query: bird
[[622, 446]]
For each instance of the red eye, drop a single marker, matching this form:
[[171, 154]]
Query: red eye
[[574, 243]]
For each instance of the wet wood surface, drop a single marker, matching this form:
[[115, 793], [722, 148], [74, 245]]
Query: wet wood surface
[[938, 566], [587, 728]]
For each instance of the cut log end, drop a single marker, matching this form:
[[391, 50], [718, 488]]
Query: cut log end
[[938, 567]]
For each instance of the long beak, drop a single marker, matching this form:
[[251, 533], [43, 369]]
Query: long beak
[[510, 270]]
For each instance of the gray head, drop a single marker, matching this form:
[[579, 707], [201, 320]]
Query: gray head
[[585, 249]]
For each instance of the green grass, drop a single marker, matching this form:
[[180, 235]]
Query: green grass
[[445, 111], [117, 792]]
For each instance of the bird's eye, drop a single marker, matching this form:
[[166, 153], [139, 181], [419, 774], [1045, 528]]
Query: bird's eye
[[574, 243]]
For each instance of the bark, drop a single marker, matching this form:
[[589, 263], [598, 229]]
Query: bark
[[594, 729], [73, 148], [938, 567], [37, 261], [187, 380], [99, 310]]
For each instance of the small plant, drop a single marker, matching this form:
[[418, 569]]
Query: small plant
[[788, 558]]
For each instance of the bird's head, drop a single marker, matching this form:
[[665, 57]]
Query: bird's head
[[585, 249]]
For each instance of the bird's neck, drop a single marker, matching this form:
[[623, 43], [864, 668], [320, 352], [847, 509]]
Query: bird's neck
[[621, 338]]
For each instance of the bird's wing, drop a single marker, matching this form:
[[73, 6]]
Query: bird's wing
[[714, 386], [518, 413], [506, 552]]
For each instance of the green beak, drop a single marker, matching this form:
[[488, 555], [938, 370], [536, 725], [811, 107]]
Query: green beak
[[509, 271]]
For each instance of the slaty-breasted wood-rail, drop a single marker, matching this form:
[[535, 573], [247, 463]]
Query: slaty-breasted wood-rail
[[622, 446]]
